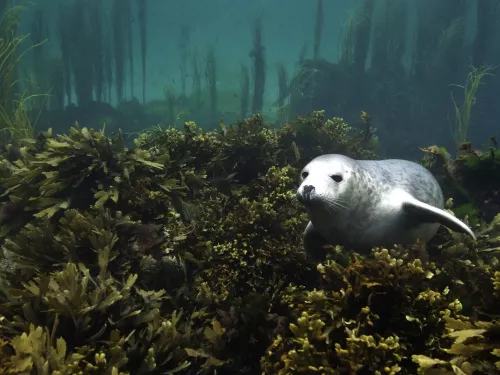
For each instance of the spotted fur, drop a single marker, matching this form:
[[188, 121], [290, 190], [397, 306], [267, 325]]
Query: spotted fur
[[377, 203]]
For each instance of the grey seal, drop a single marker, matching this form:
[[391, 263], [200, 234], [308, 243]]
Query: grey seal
[[362, 204]]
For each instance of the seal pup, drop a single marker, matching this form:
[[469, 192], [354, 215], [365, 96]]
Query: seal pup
[[362, 204]]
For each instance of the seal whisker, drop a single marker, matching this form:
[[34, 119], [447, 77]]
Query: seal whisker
[[333, 207], [338, 207], [339, 200], [336, 203], [331, 210], [341, 204]]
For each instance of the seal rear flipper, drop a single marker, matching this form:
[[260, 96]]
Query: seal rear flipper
[[433, 214], [313, 244]]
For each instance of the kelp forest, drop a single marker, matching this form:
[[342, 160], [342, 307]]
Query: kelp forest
[[147, 236], [418, 83]]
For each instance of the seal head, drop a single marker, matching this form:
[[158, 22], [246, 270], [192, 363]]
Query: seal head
[[361, 204]]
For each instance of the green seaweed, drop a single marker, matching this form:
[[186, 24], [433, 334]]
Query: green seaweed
[[471, 178]]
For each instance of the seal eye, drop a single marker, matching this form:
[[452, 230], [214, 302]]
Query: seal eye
[[305, 174], [336, 177]]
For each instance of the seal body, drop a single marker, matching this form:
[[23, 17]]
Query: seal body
[[361, 204]]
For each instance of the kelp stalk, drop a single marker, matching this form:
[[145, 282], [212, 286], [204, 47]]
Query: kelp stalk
[[283, 92], [259, 66], [98, 38], [184, 55], [82, 40], [141, 15], [318, 28], [211, 79], [65, 49], [119, 46], [244, 91], [196, 89], [129, 49]]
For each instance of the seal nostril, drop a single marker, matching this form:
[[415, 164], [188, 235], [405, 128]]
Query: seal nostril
[[308, 189]]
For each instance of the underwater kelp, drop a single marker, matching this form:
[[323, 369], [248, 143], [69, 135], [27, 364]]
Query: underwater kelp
[[313, 135], [183, 255], [96, 325], [471, 178], [86, 168], [96, 234], [381, 313]]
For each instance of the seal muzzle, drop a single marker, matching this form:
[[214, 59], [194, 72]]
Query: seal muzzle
[[307, 192]]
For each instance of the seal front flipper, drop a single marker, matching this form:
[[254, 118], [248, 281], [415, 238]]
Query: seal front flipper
[[313, 244], [433, 214]]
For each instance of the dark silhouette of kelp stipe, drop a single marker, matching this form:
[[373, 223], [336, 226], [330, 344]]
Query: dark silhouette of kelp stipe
[[400, 61], [183, 255]]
